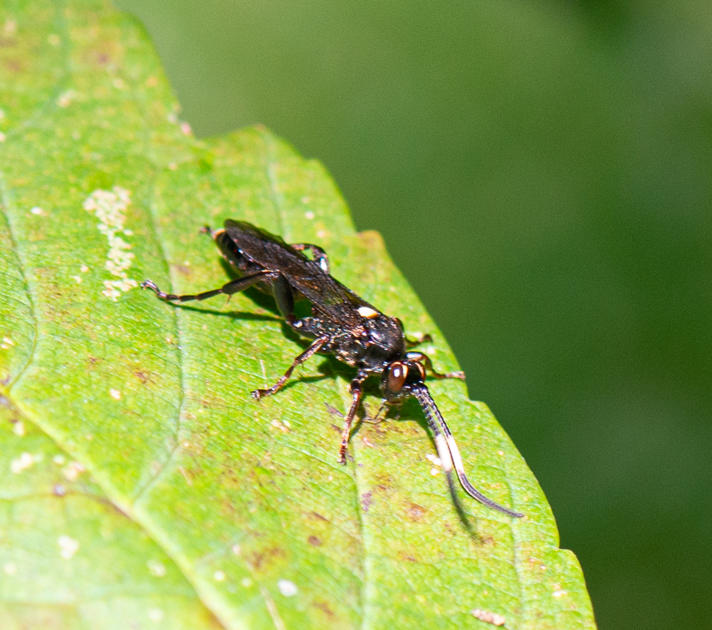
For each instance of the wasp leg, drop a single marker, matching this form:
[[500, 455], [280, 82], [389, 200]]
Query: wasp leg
[[311, 350], [425, 360], [206, 229], [320, 257], [234, 286], [417, 339], [284, 297], [356, 393]]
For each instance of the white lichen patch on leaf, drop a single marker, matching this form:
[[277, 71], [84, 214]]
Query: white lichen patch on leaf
[[155, 615], [282, 425], [435, 461], [72, 470], [156, 568], [488, 617], [67, 546], [10, 27], [287, 588], [109, 207], [23, 462], [65, 98]]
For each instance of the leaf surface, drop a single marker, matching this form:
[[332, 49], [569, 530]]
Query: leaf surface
[[141, 476]]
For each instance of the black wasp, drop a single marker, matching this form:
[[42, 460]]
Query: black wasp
[[341, 323]]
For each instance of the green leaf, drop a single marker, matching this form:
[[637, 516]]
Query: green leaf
[[143, 485]]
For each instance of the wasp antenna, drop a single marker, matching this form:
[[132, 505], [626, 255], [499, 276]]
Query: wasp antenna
[[447, 449]]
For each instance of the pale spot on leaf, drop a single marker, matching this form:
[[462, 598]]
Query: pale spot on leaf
[[68, 546]]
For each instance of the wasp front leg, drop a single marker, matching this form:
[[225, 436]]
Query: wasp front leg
[[417, 339], [356, 394], [426, 361]]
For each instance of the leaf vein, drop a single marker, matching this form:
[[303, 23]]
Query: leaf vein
[[7, 204]]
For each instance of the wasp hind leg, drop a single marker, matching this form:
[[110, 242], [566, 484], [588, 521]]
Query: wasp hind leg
[[234, 286]]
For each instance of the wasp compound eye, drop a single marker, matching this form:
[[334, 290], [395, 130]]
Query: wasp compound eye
[[397, 373]]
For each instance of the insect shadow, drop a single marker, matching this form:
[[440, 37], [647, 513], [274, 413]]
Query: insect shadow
[[404, 411], [265, 301]]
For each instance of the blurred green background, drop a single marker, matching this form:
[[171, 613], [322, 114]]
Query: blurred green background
[[542, 173]]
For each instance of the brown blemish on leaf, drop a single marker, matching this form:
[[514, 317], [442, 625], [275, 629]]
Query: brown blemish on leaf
[[324, 607], [7, 41], [318, 516], [187, 478], [189, 473], [385, 482], [184, 270], [227, 508], [314, 540], [415, 512], [334, 412], [372, 240], [143, 377], [14, 65], [259, 559], [98, 57]]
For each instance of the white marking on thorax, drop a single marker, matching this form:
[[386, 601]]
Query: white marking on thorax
[[367, 312]]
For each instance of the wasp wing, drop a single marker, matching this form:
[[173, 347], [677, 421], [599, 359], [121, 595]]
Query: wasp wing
[[328, 297]]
